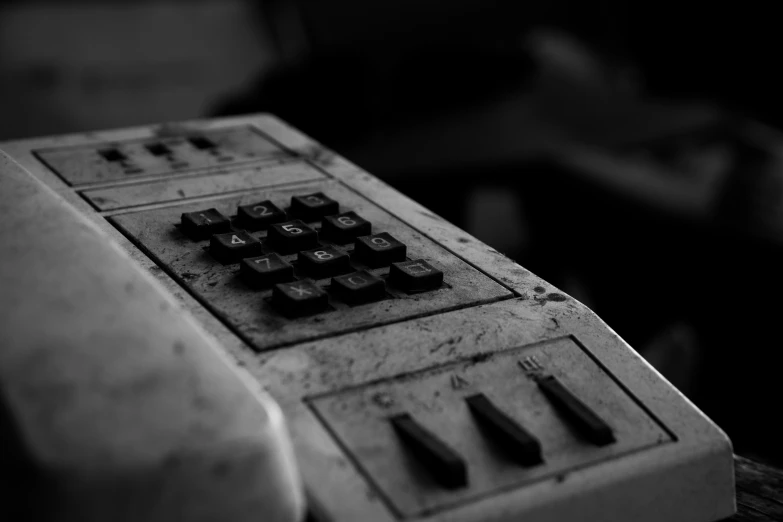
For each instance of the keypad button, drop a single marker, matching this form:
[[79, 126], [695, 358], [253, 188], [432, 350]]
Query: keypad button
[[444, 464], [233, 246], [158, 149], [358, 287], [265, 271], [345, 228], [312, 207], [259, 216], [415, 276], [112, 155], [291, 236], [379, 250], [299, 298], [324, 262], [202, 143], [204, 223]]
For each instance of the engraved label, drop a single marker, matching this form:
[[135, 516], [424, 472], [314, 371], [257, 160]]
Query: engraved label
[[530, 366], [458, 382], [264, 211], [380, 242], [300, 291], [382, 399], [236, 241], [292, 229], [205, 218], [356, 280], [315, 200], [322, 254], [264, 260], [418, 268], [345, 220]]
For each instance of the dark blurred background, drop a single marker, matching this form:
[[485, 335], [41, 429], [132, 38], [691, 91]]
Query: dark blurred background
[[629, 154]]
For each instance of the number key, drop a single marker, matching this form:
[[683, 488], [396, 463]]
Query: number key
[[345, 228], [324, 262], [204, 223], [379, 250], [358, 287], [264, 271], [312, 207], [259, 216], [291, 236], [233, 246]]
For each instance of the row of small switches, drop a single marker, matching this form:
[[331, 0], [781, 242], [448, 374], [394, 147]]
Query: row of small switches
[[450, 470]]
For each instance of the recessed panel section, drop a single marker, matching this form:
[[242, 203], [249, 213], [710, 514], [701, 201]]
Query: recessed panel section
[[159, 156], [359, 296], [493, 415], [243, 179]]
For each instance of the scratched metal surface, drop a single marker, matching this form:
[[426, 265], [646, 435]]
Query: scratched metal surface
[[248, 310]]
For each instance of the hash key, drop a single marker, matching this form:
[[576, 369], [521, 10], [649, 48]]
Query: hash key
[[415, 276]]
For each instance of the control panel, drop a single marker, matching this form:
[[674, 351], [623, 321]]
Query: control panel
[[422, 374]]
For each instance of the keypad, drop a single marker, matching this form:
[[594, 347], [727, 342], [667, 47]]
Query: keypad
[[292, 236], [259, 216], [309, 255], [379, 250], [203, 223], [415, 276], [264, 271], [231, 247], [345, 228], [311, 207]]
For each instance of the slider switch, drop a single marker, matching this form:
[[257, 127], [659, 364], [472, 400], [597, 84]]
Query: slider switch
[[584, 420], [444, 464], [505, 431]]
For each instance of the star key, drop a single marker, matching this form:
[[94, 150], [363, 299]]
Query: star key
[[299, 298]]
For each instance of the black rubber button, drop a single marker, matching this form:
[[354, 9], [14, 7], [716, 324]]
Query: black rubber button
[[312, 207], [512, 438], [584, 420], [415, 276], [204, 223], [299, 298], [265, 271], [324, 262], [291, 236], [445, 465], [259, 216], [358, 287], [231, 247], [112, 155], [345, 228], [202, 143], [379, 250]]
